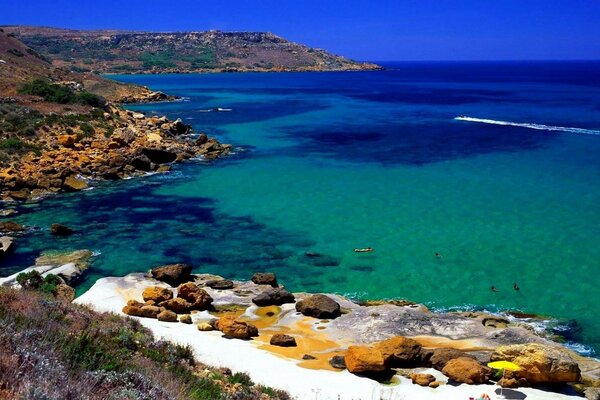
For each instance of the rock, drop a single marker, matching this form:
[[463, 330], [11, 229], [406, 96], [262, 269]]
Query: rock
[[138, 116], [132, 311], [540, 364], [186, 319], [205, 326], [60, 230], [437, 358], [467, 370], [495, 322], [198, 298], [592, 393], [157, 294], [167, 316], [11, 226], [265, 278], [67, 140], [173, 274], [236, 329], [64, 293], [163, 168], [435, 384], [363, 359], [337, 362], [508, 382], [74, 183], [308, 357], [159, 156], [6, 245], [202, 139], [399, 351], [273, 297], [422, 379], [141, 163], [150, 311], [282, 340], [177, 305], [319, 306], [220, 284]]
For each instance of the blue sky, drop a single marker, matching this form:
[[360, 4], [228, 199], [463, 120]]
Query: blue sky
[[361, 29]]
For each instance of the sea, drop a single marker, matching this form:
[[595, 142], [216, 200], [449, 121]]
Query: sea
[[459, 176]]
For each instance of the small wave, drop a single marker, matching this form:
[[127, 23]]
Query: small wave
[[539, 127], [96, 253]]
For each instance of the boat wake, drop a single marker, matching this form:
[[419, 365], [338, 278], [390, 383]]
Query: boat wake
[[539, 127]]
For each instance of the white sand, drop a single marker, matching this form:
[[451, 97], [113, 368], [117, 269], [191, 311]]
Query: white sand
[[111, 294]]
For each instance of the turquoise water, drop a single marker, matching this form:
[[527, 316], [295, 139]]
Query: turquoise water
[[329, 162]]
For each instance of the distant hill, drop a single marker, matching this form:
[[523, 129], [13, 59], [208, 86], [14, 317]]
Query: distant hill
[[146, 52]]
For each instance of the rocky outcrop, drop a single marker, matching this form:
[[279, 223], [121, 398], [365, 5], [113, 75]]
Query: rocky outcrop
[[319, 306], [173, 274], [220, 284], [60, 230], [64, 293], [73, 183], [265, 278], [438, 358], [540, 364], [467, 370], [399, 351], [282, 340], [157, 294], [198, 298], [177, 305], [364, 359], [69, 266], [236, 329], [11, 227], [273, 297]]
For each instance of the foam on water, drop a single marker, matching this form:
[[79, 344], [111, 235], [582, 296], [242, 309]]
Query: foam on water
[[539, 127]]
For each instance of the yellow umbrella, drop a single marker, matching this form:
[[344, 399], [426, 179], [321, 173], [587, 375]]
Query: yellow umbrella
[[504, 365]]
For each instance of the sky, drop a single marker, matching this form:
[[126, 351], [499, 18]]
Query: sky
[[375, 30]]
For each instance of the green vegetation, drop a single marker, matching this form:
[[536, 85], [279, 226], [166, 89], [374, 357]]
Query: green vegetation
[[16, 52], [33, 280], [72, 352], [159, 59], [61, 94]]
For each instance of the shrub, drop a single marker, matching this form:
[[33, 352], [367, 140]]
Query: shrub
[[87, 129], [54, 93], [13, 144], [33, 280]]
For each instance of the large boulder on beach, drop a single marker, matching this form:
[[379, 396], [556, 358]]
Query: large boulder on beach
[[399, 351], [422, 379], [167, 316], [273, 297], [364, 359], [281, 340], [236, 329], [173, 274], [466, 370], [265, 278], [198, 298], [177, 305], [157, 294], [319, 306], [540, 364], [438, 358]]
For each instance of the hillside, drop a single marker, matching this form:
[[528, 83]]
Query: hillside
[[146, 52]]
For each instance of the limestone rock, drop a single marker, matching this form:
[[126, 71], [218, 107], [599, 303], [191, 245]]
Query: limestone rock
[[157, 294], [186, 319], [273, 297], [74, 183], [60, 230], [282, 340], [265, 278], [319, 306], [177, 305], [422, 379], [467, 370], [6, 245], [363, 359], [132, 311], [236, 329], [150, 311], [173, 274], [205, 326], [198, 298], [540, 364], [399, 351], [167, 316]]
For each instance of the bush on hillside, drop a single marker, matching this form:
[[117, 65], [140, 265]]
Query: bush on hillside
[[61, 94]]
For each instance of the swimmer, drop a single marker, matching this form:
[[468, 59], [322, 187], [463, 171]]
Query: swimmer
[[493, 289], [365, 250], [516, 287], [438, 255]]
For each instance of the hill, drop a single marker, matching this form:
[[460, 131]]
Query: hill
[[110, 51]]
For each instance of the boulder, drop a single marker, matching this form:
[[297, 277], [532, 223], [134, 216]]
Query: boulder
[[150, 311], [282, 340], [337, 362], [173, 274], [467, 370], [158, 156], [363, 359], [64, 293], [202, 139], [186, 319], [437, 358], [265, 278], [74, 184], [132, 311], [308, 357], [6, 245], [319, 306], [11, 226], [399, 351], [60, 230], [422, 379], [205, 326], [157, 294], [220, 284], [177, 305], [540, 364], [141, 163], [236, 329], [67, 140], [273, 297], [198, 298], [167, 316]]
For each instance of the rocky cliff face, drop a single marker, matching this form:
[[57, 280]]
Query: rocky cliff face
[[127, 52]]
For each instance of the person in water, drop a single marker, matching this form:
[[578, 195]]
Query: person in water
[[493, 289], [438, 255], [516, 287], [365, 250]]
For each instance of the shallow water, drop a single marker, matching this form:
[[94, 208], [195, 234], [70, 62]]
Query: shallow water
[[328, 162]]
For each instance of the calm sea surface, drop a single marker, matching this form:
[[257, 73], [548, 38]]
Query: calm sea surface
[[329, 162]]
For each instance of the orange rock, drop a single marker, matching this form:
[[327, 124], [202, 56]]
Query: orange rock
[[157, 293], [399, 351], [67, 140], [422, 379], [236, 329], [363, 359], [467, 370]]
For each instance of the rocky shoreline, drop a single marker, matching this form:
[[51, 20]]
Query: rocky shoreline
[[386, 342]]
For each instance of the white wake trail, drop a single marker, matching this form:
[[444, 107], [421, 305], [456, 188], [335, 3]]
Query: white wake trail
[[530, 126]]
